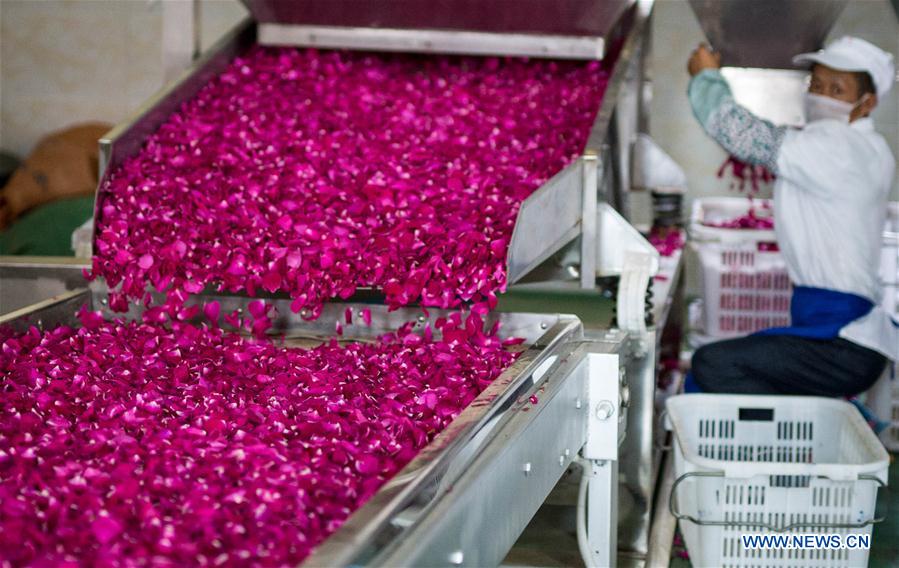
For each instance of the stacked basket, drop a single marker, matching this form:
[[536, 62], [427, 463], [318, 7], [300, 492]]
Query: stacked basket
[[889, 272], [745, 285]]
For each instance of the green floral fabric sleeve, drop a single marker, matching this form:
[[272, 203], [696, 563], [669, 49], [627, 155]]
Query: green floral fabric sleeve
[[741, 133]]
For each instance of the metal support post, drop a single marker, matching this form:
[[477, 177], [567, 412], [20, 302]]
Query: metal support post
[[180, 36], [590, 165], [602, 506]]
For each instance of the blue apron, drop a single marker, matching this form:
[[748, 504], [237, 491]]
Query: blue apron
[[816, 313]]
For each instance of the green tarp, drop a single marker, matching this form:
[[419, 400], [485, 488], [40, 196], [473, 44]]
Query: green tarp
[[47, 230]]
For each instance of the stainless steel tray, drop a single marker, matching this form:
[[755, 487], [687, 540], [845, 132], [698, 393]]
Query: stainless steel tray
[[25, 280], [414, 517], [555, 214]]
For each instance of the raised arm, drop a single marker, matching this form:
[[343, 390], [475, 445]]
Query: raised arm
[[741, 133]]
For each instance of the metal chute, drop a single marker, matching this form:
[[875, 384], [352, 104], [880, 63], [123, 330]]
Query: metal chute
[[766, 33]]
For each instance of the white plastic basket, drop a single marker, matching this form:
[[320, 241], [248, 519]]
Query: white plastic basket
[[720, 209], [889, 261], [889, 277], [772, 465], [745, 288], [890, 436]]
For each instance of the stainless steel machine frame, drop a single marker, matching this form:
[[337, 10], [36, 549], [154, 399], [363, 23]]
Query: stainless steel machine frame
[[27, 280], [468, 495], [623, 115]]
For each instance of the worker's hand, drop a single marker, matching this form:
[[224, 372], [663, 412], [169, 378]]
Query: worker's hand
[[703, 58]]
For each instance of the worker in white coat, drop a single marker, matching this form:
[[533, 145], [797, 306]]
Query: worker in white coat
[[834, 177]]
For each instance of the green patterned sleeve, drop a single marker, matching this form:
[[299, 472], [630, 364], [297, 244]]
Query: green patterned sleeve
[[741, 133], [707, 91]]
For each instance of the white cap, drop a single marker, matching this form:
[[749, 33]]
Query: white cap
[[855, 54]]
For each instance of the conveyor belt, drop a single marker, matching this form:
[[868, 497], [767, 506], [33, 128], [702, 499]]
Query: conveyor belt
[[568, 197], [425, 496]]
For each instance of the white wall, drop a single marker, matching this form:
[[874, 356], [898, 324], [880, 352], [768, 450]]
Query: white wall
[[69, 61]]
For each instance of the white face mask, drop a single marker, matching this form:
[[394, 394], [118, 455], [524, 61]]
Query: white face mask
[[819, 107]]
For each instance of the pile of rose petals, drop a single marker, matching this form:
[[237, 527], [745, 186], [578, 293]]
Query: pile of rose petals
[[742, 173], [316, 173], [751, 220], [666, 240], [137, 443]]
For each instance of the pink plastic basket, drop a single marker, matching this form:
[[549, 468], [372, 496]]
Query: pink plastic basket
[[743, 290], [745, 285]]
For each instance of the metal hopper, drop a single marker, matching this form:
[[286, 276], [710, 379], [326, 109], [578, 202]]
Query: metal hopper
[[766, 33], [757, 40]]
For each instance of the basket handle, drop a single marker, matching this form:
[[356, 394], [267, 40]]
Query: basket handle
[[682, 517]]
